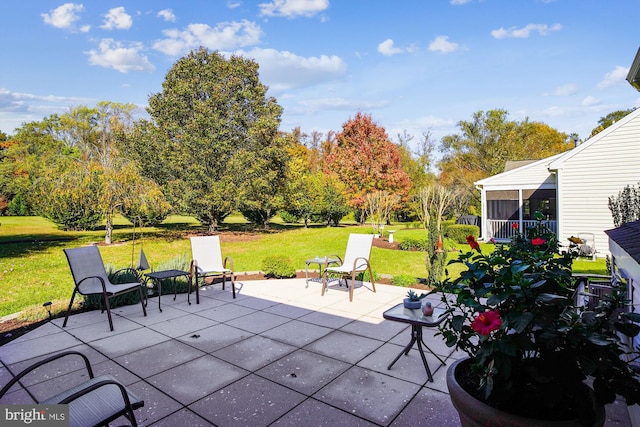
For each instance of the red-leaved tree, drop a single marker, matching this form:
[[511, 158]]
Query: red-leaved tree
[[365, 160]]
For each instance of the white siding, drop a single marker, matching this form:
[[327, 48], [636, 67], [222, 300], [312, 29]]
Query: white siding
[[592, 174], [533, 175]]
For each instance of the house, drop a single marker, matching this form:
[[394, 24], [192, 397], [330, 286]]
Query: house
[[624, 246], [572, 189]]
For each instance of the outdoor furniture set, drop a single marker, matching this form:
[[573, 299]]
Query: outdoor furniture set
[[102, 399]]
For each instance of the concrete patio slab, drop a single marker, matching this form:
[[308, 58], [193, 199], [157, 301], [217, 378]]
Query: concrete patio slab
[[304, 371], [279, 354], [197, 378], [251, 401]]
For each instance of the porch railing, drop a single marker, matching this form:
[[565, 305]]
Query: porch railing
[[503, 229]]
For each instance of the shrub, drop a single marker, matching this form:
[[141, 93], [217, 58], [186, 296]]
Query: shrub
[[288, 217], [445, 225], [278, 266], [404, 280], [459, 232], [410, 244], [364, 276]]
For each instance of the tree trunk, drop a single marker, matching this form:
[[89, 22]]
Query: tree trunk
[[213, 225], [109, 230]]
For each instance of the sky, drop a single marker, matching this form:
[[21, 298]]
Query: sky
[[417, 66]]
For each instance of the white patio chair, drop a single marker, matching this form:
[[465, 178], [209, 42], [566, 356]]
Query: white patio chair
[[90, 278], [207, 262], [356, 260]]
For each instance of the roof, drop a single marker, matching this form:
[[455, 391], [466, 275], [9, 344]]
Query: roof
[[559, 161], [627, 236], [634, 72], [514, 164], [520, 169]]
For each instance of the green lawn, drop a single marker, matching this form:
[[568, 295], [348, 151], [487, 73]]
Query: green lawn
[[33, 268]]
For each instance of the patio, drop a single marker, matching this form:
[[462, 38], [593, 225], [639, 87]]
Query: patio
[[279, 354]]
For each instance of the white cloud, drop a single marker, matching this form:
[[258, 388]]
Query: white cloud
[[282, 70], [565, 90], [590, 101], [65, 16], [233, 4], [387, 48], [525, 32], [442, 44], [224, 36], [615, 77], [293, 8], [459, 2], [117, 19], [167, 15], [112, 54]]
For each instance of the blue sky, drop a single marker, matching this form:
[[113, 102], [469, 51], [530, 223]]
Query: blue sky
[[414, 65]]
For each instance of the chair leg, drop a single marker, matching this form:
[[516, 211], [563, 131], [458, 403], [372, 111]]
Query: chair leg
[[106, 303], [233, 285], [64, 324], [324, 283], [373, 285], [353, 285], [142, 302]]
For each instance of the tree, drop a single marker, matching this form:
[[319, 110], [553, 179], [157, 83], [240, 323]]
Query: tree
[[218, 131], [432, 201], [417, 165], [379, 205], [487, 142], [610, 119], [365, 161]]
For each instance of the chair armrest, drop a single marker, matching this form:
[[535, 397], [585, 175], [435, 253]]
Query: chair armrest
[[104, 286], [36, 365], [326, 262], [224, 263], [355, 262]]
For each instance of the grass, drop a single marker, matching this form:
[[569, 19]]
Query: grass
[[34, 270]]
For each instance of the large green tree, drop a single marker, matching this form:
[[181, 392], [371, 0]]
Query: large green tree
[[610, 119], [366, 161], [487, 142], [218, 132]]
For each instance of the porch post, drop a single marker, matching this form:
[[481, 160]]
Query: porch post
[[520, 210]]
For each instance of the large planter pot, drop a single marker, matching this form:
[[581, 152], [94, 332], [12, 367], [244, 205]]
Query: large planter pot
[[474, 413]]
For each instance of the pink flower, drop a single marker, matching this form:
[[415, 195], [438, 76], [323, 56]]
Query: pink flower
[[538, 241], [472, 242], [487, 322]]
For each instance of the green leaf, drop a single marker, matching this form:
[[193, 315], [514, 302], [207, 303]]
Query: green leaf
[[457, 322], [629, 329], [551, 299], [520, 323]]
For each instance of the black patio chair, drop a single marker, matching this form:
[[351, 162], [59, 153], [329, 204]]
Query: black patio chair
[[95, 402]]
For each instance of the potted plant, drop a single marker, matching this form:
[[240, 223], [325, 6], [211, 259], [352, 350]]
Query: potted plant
[[413, 300], [531, 348]]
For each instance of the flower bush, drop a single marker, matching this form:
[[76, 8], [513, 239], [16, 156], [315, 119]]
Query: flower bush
[[531, 347]]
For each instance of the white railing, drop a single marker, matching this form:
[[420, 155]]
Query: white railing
[[503, 229]]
